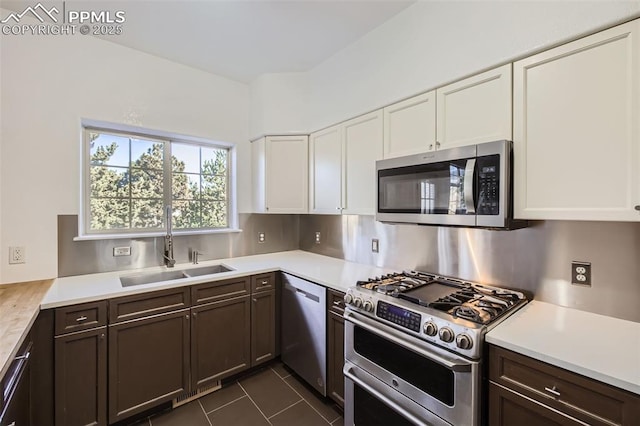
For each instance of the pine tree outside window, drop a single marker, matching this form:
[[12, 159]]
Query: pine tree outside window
[[131, 178]]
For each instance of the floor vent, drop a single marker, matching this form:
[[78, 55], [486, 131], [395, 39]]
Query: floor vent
[[188, 397]]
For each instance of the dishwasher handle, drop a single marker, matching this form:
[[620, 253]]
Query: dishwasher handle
[[301, 292]]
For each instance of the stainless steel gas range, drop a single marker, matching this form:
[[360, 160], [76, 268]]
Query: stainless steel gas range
[[413, 348]]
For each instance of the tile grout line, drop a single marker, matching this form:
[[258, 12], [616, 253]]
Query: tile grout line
[[288, 375], [286, 408], [253, 402], [225, 405], [310, 405], [205, 413]]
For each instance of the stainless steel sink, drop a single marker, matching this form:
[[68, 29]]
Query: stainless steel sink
[[154, 277], [206, 270], [151, 277]]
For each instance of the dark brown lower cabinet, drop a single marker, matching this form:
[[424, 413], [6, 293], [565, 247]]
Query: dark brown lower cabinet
[[148, 362], [220, 346], [335, 348], [525, 391], [81, 378], [263, 326], [508, 408]]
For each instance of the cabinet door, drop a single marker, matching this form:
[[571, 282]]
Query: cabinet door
[[325, 171], [410, 126], [258, 168], [476, 109], [81, 378], [287, 174], [148, 363], [263, 326], [221, 340], [507, 408], [362, 146], [335, 354], [576, 129]]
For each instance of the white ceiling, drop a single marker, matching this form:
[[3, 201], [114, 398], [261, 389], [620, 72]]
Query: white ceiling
[[241, 39]]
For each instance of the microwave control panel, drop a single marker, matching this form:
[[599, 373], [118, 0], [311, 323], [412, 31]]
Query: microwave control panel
[[488, 185]]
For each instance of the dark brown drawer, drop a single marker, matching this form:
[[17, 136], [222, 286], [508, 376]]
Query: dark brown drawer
[[80, 317], [263, 282], [143, 305], [219, 290], [586, 399], [335, 301]]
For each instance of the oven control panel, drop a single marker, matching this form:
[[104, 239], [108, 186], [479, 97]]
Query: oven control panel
[[398, 315]]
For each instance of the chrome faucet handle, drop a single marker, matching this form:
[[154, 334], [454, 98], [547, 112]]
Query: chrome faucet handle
[[195, 255]]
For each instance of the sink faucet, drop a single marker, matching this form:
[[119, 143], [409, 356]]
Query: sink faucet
[[168, 242]]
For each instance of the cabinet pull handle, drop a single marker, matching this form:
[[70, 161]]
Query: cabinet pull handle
[[637, 208], [186, 316], [553, 391], [431, 146], [12, 424], [80, 319], [255, 300], [265, 282], [194, 315], [337, 302], [102, 336], [437, 144]]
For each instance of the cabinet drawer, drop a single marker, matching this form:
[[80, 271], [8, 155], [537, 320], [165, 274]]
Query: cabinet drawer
[[263, 282], [585, 399], [142, 305], [335, 301], [218, 290], [80, 317]]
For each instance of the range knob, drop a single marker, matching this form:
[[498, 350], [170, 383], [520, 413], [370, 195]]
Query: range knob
[[446, 334], [348, 298], [358, 302], [430, 328], [368, 306], [463, 341]]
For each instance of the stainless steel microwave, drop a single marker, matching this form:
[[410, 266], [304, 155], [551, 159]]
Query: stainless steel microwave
[[468, 186]]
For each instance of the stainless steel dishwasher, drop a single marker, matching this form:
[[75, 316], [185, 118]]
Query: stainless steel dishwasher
[[304, 330]]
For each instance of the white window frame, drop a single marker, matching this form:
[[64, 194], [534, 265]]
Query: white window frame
[[84, 233]]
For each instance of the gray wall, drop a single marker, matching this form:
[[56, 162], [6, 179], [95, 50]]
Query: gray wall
[[536, 259]]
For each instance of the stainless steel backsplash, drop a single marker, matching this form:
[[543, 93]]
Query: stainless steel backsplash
[[87, 257], [536, 259]]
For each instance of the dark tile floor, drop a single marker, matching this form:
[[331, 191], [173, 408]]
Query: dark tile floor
[[270, 396]]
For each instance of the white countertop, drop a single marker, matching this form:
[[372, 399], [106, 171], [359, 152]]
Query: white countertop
[[600, 347], [327, 271]]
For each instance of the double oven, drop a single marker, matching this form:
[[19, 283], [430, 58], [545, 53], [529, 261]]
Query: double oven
[[413, 348], [390, 379]]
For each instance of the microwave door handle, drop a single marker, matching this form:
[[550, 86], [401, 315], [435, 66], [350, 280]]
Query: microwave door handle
[[469, 177]]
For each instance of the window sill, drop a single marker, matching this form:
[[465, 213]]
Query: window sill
[[94, 237]]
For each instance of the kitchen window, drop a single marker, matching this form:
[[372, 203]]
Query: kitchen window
[[130, 179]]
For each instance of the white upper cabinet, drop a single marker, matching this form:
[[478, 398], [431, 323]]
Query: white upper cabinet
[[281, 176], [410, 126], [325, 171], [342, 166], [475, 110], [362, 146], [576, 129]]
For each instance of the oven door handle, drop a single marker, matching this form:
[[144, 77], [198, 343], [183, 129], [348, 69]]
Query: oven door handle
[[448, 363], [349, 373]]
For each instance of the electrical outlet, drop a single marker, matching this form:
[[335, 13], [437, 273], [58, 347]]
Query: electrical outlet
[[317, 237], [261, 237], [17, 255], [121, 251], [375, 245], [581, 273]]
